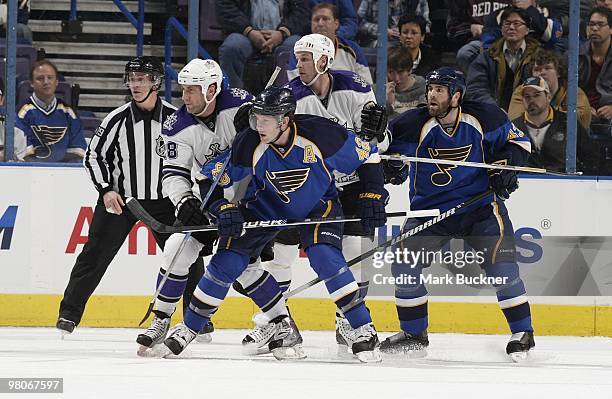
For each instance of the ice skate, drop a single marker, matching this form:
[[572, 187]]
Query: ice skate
[[404, 343], [179, 338], [65, 326], [256, 341], [519, 346], [205, 334], [343, 329], [286, 342], [155, 334], [362, 341]]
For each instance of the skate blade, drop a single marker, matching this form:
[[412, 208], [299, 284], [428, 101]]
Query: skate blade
[[519, 357], [253, 349], [289, 353], [204, 338], [156, 351], [344, 352], [63, 334], [369, 356]]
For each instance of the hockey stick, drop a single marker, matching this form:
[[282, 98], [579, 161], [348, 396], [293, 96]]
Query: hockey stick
[[527, 169], [183, 242], [396, 240], [273, 77], [139, 212]]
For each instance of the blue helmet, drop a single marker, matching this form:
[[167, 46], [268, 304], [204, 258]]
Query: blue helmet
[[274, 101], [450, 77]]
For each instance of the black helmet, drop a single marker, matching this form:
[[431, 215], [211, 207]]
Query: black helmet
[[274, 101], [145, 64], [450, 77]]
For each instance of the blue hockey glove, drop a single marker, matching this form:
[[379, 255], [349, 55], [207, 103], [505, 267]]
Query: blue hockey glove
[[188, 211], [396, 172], [229, 218], [373, 122], [503, 182], [372, 210]]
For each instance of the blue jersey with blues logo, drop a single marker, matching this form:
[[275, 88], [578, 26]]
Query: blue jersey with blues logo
[[289, 184], [482, 133], [53, 135]]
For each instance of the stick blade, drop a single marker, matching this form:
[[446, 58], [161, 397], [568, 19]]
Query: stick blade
[[141, 214], [149, 311]]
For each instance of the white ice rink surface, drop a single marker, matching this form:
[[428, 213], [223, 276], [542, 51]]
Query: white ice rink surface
[[102, 363]]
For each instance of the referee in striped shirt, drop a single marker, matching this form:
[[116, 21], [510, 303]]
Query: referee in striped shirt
[[124, 159]]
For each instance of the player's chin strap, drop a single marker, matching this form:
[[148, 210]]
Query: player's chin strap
[[146, 98], [319, 73], [280, 130]]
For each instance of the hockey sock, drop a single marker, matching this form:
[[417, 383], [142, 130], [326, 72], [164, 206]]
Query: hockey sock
[[225, 266], [410, 298], [170, 293], [511, 295], [352, 247], [329, 264], [267, 294], [280, 267]]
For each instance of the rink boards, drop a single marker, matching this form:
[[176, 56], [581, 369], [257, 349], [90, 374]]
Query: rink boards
[[563, 238]]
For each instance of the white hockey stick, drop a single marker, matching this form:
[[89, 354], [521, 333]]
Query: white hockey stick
[[527, 169]]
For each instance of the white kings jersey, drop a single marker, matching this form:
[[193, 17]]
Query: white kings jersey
[[190, 142], [347, 96]]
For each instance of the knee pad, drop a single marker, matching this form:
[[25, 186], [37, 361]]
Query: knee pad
[[226, 266], [185, 258], [354, 246], [326, 260], [252, 273]]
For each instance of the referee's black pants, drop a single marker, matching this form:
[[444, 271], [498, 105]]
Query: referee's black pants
[[107, 233]]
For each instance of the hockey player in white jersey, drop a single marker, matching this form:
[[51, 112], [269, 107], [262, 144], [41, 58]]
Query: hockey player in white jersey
[[343, 97], [195, 134]]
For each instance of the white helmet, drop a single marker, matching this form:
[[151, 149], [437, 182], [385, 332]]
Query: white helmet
[[203, 73], [318, 45]]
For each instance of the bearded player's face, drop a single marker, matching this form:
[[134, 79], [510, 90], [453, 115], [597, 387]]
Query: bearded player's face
[[438, 100]]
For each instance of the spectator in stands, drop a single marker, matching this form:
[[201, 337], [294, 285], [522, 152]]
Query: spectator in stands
[[604, 3], [257, 26], [405, 90], [547, 130], [543, 27], [495, 74], [347, 17], [368, 19], [412, 36], [560, 9], [595, 69], [552, 69], [465, 25], [52, 128], [24, 33], [349, 56]]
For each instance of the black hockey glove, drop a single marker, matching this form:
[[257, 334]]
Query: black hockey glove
[[229, 218], [503, 182], [396, 172], [373, 122], [241, 119], [372, 210], [189, 213]]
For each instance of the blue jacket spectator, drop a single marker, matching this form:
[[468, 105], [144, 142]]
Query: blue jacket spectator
[[52, 129], [347, 15]]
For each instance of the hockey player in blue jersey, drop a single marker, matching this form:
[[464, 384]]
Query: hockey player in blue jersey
[[454, 130], [288, 162], [345, 98]]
